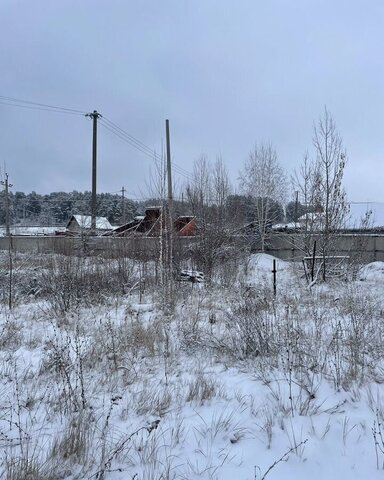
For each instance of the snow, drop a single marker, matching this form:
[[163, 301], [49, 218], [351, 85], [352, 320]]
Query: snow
[[85, 221], [120, 390], [359, 211], [259, 270], [372, 272], [36, 230]]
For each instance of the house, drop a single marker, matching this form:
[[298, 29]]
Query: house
[[82, 223], [312, 220], [152, 223], [185, 226], [361, 216]]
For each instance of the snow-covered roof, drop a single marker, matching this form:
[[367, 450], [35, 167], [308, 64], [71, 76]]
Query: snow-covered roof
[[366, 215], [31, 230], [311, 217], [286, 226], [85, 221], [359, 211]]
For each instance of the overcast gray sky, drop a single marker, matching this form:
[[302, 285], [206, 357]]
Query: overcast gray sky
[[227, 73]]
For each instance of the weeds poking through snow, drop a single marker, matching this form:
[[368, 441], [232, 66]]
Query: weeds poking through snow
[[201, 389], [283, 458], [228, 374], [378, 437]]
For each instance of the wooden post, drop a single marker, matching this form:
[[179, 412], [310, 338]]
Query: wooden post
[[313, 261], [274, 277]]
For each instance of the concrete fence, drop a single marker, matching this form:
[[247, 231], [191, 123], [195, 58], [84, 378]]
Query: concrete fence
[[366, 247], [110, 246], [369, 247]]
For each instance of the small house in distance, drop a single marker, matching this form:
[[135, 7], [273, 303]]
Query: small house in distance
[[152, 223], [82, 223]]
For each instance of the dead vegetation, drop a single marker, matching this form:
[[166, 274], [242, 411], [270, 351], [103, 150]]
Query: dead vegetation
[[92, 380]]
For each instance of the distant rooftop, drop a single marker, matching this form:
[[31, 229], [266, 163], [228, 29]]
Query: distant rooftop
[[361, 215], [359, 211], [85, 221]]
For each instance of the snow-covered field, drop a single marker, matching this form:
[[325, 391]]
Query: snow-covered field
[[99, 381]]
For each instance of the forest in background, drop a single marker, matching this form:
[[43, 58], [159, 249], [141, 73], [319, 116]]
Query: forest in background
[[57, 208]]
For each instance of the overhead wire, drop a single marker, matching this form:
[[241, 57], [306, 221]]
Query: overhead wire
[[114, 128], [146, 151], [17, 101], [104, 121], [141, 146], [38, 108], [132, 138], [124, 138]]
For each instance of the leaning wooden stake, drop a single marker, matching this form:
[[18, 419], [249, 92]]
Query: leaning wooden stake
[[274, 277], [313, 261]]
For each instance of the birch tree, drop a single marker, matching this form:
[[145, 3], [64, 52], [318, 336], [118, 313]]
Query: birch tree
[[264, 180], [320, 181], [330, 164], [207, 195]]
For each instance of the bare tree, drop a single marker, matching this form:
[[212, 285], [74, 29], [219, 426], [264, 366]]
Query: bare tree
[[264, 180], [305, 182], [331, 159], [221, 189], [207, 195], [198, 191], [320, 183]]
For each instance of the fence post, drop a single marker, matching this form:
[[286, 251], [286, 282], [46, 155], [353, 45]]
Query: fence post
[[274, 277]]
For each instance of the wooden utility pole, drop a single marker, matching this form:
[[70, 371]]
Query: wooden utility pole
[[94, 115], [169, 211], [7, 186], [169, 169], [122, 205]]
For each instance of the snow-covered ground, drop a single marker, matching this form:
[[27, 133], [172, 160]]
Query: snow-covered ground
[[31, 231], [97, 382]]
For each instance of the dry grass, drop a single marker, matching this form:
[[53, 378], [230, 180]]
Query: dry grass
[[93, 369]]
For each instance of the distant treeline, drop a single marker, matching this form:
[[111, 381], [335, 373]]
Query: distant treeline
[[56, 208]]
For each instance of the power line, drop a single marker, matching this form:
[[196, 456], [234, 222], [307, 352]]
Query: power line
[[145, 150], [130, 137], [124, 138], [142, 145], [106, 123], [39, 108], [120, 132], [36, 104]]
